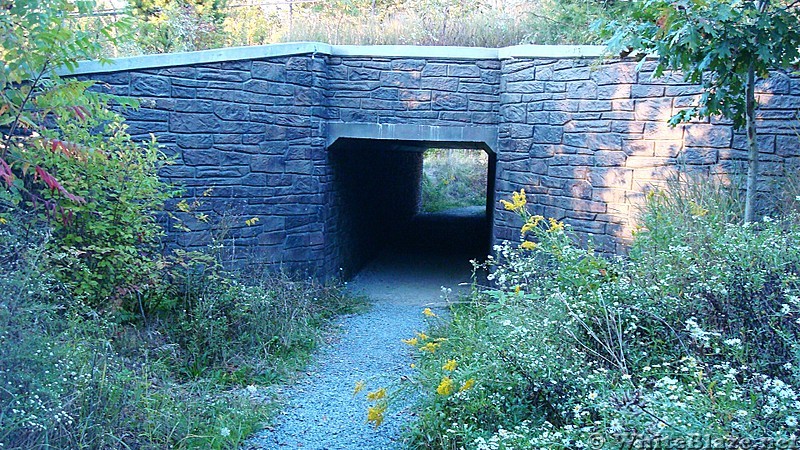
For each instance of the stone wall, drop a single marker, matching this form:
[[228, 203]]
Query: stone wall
[[303, 135], [406, 91], [247, 141], [587, 139]]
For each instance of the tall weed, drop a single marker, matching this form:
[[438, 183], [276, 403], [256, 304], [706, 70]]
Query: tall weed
[[694, 336]]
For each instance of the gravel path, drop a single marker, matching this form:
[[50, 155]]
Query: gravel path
[[320, 411]]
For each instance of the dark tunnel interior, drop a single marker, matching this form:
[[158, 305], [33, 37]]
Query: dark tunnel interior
[[378, 200]]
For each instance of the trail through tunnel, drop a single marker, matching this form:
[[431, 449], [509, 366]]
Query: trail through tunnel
[[379, 206]]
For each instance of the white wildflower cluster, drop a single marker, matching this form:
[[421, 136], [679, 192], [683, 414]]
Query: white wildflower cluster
[[700, 336]]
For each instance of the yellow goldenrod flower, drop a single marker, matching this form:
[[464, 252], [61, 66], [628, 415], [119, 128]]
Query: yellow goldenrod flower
[[517, 202], [375, 414], [3, 220], [440, 339], [697, 210], [531, 224], [359, 387], [467, 385], [528, 245], [430, 347], [428, 312], [517, 289], [555, 225], [413, 366], [252, 221], [412, 342], [445, 386], [377, 395], [450, 365], [422, 336]]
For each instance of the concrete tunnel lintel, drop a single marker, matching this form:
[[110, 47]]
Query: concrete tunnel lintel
[[482, 137]]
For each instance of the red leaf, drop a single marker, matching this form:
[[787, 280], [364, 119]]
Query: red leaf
[[54, 185], [5, 172], [79, 111]]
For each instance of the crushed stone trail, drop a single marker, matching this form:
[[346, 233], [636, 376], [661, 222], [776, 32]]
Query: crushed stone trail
[[320, 412]]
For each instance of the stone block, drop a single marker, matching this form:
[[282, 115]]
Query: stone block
[[611, 177], [614, 91], [434, 70], [385, 93], [612, 158], [668, 148], [513, 113], [463, 70], [308, 96], [195, 141], [699, 156], [579, 189], [408, 64], [637, 147], [662, 131], [640, 162], [222, 75], [659, 109], [414, 95], [383, 105], [769, 101], [628, 127], [194, 157], [149, 86], [573, 74], [646, 91], [183, 92], [594, 105], [378, 63], [194, 106], [269, 71], [787, 146], [622, 105], [777, 83], [544, 134], [193, 123], [490, 76], [456, 116], [300, 78], [702, 135], [477, 88], [232, 111], [524, 87], [439, 84], [586, 90], [448, 101], [407, 80], [221, 172], [587, 126], [298, 63], [268, 163], [616, 73], [146, 115]]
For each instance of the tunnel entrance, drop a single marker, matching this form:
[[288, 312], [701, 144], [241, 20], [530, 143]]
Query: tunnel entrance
[[385, 201]]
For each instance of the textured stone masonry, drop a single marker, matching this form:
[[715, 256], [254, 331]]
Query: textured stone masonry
[[585, 138]]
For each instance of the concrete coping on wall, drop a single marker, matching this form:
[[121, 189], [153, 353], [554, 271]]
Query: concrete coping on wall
[[484, 137], [317, 48]]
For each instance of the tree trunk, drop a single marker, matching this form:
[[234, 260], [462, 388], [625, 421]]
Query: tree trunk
[[752, 147]]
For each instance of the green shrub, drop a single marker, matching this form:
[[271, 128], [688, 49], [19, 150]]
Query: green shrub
[[453, 178], [66, 156], [263, 330], [74, 377], [693, 336]]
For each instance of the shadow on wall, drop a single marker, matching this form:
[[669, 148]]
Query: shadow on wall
[[593, 139]]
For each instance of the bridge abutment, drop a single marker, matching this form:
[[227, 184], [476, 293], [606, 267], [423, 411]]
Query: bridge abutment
[[306, 137]]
